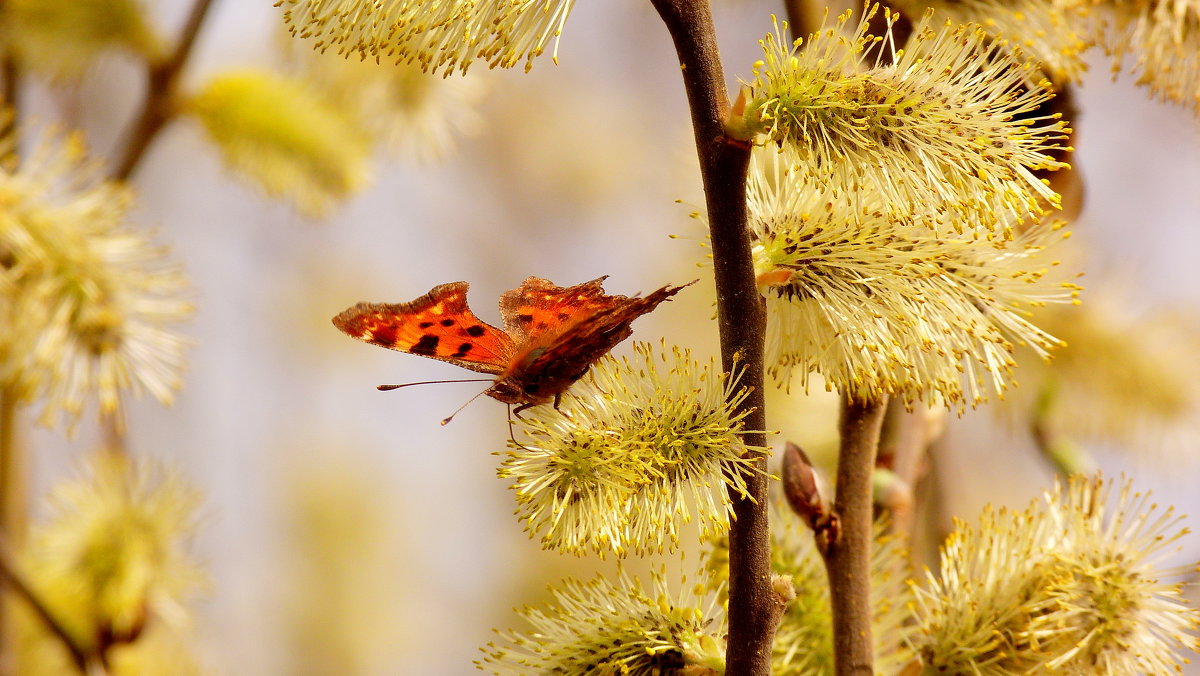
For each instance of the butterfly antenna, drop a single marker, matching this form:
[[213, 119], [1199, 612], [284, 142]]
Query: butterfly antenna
[[447, 420], [387, 388]]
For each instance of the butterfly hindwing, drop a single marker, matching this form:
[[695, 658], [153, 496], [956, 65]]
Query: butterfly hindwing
[[564, 330], [438, 325], [574, 350], [540, 309]]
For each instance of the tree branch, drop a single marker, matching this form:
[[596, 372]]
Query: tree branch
[[162, 79], [12, 507], [741, 320], [803, 17], [848, 559], [904, 441], [11, 93]]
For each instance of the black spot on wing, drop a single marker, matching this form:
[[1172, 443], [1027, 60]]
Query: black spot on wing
[[462, 350], [475, 331], [447, 322], [425, 325], [427, 345], [562, 316], [525, 319]]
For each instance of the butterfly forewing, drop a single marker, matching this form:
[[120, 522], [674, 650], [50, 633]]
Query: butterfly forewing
[[438, 325]]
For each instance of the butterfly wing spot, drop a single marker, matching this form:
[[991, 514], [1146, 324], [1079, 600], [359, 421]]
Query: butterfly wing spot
[[384, 334], [525, 319], [436, 325], [426, 346]]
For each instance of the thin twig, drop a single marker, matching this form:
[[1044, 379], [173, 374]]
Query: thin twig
[[848, 559], [741, 320], [12, 506], [935, 524], [83, 658], [162, 79], [12, 465], [803, 17], [1065, 456], [112, 429], [905, 438], [12, 470], [11, 93]]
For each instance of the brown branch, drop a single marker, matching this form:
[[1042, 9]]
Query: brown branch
[[11, 93], [12, 507], [803, 17], [905, 438], [848, 559], [12, 469], [741, 320], [81, 657], [112, 429], [162, 81]]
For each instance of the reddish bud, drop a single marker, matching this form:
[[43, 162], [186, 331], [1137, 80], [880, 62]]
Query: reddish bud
[[800, 486]]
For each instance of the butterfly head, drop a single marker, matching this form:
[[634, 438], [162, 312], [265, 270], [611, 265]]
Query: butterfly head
[[512, 390]]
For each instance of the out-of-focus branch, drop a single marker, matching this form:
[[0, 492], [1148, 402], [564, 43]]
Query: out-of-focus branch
[[1060, 451], [12, 506], [803, 16], [11, 73], [906, 437], [162, 80], [159, 107]]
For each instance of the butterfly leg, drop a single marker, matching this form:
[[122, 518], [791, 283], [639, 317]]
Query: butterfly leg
[[557, 401], [512, 436]]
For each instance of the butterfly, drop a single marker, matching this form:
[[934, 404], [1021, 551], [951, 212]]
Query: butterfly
[[551, 336]]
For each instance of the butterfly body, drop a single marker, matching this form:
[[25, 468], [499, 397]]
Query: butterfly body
[[551, 334]]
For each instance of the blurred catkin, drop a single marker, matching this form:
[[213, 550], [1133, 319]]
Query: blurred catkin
[[63, 38], [280, 134], [91, 305]]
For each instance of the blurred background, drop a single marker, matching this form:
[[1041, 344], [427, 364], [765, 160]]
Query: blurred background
[[345, 530]]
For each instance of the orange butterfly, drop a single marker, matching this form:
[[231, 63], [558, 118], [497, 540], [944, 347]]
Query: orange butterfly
[[551, 334]]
